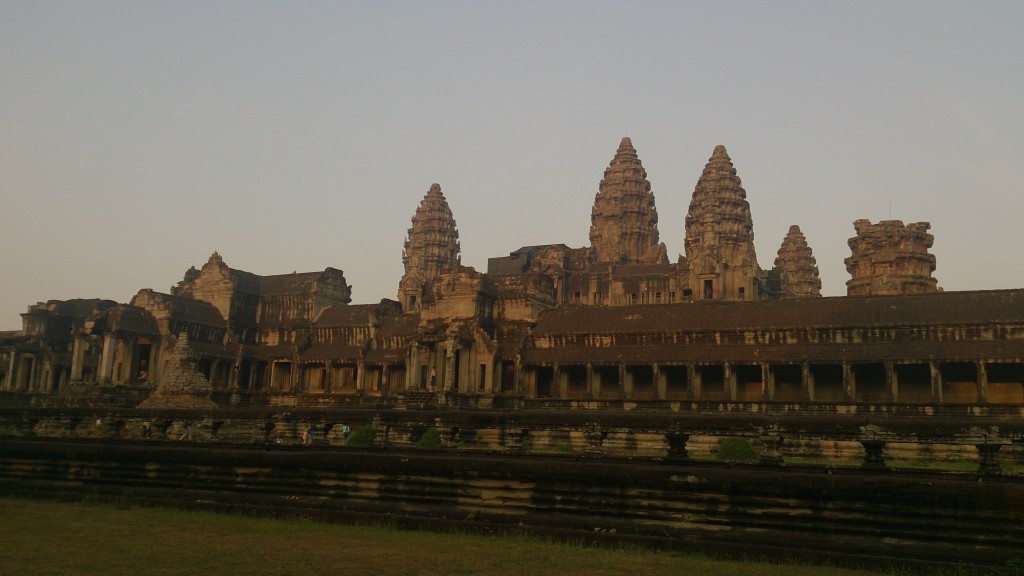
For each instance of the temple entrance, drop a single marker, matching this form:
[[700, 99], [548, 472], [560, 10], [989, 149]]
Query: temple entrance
[[1005, 383], [959, 382], [281, 377], [544, 377], [677, 382], [607, 385], [828, 383], [642, 378], [913, 383], [870, 382], [576, 381], [748, 383], [712, 382], [788, 382]]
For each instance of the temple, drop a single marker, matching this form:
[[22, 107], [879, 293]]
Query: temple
[[614, 322]]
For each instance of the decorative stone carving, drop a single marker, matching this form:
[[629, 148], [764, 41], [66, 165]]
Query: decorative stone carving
[[624, 220], [431, 248], [720, 234], [890, 258], [796, 271]]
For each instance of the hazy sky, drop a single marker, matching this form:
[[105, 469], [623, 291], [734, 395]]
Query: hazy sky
[[136, 138]]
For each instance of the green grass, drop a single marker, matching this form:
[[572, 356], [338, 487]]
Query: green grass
[[54, 538]]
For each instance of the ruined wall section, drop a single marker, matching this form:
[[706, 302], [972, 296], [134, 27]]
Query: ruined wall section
[[624, 220], [890, 258]]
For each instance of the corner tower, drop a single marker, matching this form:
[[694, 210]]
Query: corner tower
[[720, 235], [890, 258], [431, 248], [624, 221]]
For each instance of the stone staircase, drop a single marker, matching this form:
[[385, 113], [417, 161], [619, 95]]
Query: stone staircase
[[417, 400]]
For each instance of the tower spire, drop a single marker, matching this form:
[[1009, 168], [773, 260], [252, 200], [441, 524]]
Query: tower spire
[[624, 220], [431, 248]]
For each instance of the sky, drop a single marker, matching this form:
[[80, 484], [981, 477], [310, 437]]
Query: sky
[[137, 138]]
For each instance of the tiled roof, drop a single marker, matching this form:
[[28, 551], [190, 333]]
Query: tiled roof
[[940, 308]]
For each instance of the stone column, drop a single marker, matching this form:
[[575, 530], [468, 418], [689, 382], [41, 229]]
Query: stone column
[[892, 384], [695, 384], [361, 383], [625, 382], [8, 383], [766, 392], [594, 387], [561, 390], [106, 358], [770, 384], [849, 383], [729, 383], [806, 382], [982, 382], [936, 382], [660, 386]]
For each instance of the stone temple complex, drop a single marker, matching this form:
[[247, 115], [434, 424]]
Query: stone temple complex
[[615, 321]]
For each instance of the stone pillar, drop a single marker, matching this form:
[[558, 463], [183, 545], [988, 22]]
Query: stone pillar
[[770, 384], [695, 384], [766, 391], [806, 382], [982, 382], [8, 383], [660, 385], [106, 358], [558, 380], [625, 382], [362, 384], [936, 382], [450, 368], [892, 384], [729, 378], [592, 385], [849, 383], [33, 376]]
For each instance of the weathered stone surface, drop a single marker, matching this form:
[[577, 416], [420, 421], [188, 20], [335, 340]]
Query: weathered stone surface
[[431, 248], [182, 385], [624, 220], [796, 271], [890, 258], [720, 235]]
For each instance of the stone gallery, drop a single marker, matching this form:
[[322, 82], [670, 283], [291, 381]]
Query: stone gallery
[[614, 323]]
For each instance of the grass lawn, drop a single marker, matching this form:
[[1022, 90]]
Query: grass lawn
[[54, 538]]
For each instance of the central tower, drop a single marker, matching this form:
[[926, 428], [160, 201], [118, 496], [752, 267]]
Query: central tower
[[624, 221], [431, 249], [720, 235]]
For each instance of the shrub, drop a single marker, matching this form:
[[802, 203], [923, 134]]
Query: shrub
[[362, 437], [430, 440], [735, 449]]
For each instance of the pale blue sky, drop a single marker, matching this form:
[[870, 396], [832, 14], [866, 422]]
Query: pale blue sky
[[138, 137]]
